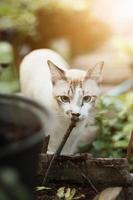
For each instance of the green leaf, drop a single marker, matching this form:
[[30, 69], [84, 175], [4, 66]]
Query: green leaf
[[61, 192], [40, 188], [70, 193], [98, 145]]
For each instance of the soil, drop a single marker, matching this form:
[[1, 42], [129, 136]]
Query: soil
[[11, 133], [75, 172], [82, 192]]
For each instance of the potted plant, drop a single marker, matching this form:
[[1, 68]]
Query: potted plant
[[23, 126]]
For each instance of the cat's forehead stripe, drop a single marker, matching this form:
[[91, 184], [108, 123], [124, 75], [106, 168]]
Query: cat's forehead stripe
[[76, 83], [73, 85], [70, 91]]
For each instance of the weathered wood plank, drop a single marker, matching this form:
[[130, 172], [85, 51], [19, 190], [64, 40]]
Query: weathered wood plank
[[104, 172]]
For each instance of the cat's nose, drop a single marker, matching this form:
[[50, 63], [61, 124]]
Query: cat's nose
[[75, 114]]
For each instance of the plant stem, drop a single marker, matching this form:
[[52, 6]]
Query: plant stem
[[129, 148]]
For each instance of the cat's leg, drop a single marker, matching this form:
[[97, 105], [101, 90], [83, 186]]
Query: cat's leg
[[88, 135], [74, 146], [85, 137]]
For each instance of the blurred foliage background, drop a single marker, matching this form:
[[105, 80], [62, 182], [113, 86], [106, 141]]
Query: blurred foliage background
[[67, 26], [17, 15]]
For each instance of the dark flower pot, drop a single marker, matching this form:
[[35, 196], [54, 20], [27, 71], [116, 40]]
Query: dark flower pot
[[23, 125]]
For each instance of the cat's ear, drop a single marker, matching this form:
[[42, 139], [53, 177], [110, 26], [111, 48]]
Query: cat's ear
[[95, 73], [56, 72]]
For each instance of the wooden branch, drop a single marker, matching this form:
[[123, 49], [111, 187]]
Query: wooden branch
[[129, 148], [59, 149], [102, 172]]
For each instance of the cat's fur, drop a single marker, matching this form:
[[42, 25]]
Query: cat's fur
[[47, 78]]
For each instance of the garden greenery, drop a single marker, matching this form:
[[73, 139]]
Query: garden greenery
[[21, 15], [114, 121]]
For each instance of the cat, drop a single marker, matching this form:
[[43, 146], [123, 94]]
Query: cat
[[47, 78]]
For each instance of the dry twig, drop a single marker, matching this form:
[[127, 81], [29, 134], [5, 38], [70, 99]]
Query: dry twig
[[58, 152], [129, 148]]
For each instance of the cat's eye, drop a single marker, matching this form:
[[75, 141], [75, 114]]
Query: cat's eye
[[86, 99], [65, 99]]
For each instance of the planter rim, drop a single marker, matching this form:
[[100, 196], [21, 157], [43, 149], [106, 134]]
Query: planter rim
[[40, 111]]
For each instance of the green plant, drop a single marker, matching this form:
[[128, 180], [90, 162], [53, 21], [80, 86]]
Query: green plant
[[18, 15], [21, 14], [114, 121], [11, 187], [68, 194]]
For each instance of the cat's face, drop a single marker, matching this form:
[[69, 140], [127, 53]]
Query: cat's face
[[76, 91]]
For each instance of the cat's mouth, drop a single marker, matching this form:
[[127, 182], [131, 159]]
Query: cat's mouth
[[78, 119], [75, 118]]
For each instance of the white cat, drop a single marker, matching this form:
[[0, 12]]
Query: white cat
[[47, 78]]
